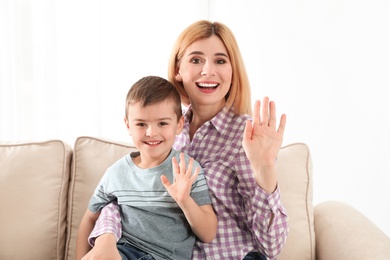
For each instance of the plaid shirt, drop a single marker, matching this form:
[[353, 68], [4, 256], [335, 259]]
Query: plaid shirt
[[109, 221], [243, 209]]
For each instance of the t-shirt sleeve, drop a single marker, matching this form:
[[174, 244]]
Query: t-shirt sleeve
[[200, 191], [101, 196]]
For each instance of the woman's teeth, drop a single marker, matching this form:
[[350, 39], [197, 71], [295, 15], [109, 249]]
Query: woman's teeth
[[207, 85]]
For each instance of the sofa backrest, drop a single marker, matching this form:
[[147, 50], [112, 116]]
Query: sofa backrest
[[34, 181], [91, 158], [295, 176]]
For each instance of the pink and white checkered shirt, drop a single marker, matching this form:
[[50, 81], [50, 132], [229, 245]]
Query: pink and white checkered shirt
[[243, 209], [109, 221]]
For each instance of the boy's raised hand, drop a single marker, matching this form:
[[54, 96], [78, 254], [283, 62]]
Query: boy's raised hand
[[183, 179]]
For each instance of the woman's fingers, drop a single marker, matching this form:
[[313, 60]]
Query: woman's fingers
[[248, 131], [256, 113], [282, 124], [272, 115], [264, 112]]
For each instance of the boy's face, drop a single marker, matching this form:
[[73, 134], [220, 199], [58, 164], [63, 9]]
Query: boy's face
[[153, 129]]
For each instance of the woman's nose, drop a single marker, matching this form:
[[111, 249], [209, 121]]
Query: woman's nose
[[208, 69]]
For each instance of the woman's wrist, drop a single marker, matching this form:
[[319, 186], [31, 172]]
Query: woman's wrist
[[105, 239]]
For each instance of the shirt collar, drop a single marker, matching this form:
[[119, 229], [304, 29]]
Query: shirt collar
[[220, 121]]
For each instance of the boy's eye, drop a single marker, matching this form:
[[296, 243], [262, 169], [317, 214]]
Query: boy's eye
[[163, 123], [141, 124]]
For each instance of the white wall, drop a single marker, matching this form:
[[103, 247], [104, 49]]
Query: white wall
[[66, 66]]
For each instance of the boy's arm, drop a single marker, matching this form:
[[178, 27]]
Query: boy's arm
[[202, 219], [86, 225]]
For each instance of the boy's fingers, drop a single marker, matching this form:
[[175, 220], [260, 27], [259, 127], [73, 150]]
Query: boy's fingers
[[190, 166], [175, 165], [182, 163], [195, 175], [165, 181]]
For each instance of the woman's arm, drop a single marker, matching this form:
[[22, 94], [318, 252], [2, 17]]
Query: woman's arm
[[261, 143], [109, 222], [104, 249], [86, 225], [106, 233]]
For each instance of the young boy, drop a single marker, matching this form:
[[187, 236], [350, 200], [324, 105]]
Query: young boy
[[162, 194]]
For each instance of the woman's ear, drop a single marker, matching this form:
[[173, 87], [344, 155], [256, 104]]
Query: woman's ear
[[178, 78]]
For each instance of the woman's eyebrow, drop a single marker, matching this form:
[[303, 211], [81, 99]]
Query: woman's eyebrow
[[196, 52], [221, 54], [216, 54]]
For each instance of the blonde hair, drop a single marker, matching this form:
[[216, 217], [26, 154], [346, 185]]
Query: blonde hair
[[239, 96]]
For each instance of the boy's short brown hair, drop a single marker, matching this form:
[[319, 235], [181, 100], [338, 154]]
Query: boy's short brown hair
[[151, 90]]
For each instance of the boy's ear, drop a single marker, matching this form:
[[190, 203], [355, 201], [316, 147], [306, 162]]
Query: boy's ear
[[127, 125], [180, 125]]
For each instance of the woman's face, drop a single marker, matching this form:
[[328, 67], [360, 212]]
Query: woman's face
[[206, 72]]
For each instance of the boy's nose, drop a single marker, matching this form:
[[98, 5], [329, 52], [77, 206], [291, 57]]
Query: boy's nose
[[150, 131]]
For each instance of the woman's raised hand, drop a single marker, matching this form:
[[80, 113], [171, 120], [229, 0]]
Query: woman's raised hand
[[262, 142]]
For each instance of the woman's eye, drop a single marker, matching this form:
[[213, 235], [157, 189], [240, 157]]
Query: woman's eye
[[221, 61], [195, 60]]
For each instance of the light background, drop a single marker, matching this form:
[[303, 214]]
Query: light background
[[66, 66]]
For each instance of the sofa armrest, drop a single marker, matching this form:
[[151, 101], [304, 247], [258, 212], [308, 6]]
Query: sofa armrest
[[344, 233]]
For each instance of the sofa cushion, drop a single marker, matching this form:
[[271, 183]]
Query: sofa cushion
[[294, 167], [34, 181], [91, 158]]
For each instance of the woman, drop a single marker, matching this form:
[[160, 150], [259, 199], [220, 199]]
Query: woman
[[238, 156]]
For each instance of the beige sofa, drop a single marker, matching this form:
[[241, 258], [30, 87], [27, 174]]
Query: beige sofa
[[45, 188]]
